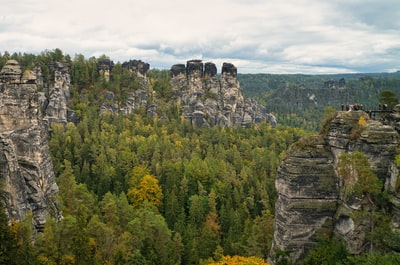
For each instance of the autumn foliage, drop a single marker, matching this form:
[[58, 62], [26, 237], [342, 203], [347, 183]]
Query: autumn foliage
[[239, 260]]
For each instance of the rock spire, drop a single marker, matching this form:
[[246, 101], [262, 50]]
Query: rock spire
[[208, 100]]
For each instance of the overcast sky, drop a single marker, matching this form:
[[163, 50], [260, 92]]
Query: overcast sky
[[258, 36]]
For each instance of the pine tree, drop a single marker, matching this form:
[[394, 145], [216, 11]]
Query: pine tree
[[7, 239]]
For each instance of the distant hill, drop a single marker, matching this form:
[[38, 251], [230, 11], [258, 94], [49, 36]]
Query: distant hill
[[300, 100]]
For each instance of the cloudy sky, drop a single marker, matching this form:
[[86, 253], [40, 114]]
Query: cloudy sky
[[258, 36]]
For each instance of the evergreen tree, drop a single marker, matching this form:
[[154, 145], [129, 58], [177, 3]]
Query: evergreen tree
[[8, 244], [388, 99]]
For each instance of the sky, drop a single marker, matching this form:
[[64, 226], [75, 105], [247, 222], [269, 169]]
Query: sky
[[257, 36]]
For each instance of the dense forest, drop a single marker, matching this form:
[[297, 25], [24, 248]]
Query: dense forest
[[300, 100], [135, 189]]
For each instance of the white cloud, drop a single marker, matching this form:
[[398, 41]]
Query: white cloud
[[305, 36]]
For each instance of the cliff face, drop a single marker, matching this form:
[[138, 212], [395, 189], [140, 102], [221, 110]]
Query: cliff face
[[55, 97], [26, 172], [207, 100], [311, 200]]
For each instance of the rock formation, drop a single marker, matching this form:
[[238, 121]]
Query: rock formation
[[311, 200], [56, 104], [137, 66], [203, 98], [26, 171], [11, 72], [104, 66], [207, 100]]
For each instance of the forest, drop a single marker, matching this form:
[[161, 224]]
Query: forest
[[135, 189], [300, 100]]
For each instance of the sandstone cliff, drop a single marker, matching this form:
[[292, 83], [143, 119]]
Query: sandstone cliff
[[56, 95], [207, 100], [204, 99], [311, 200], [26, 172]]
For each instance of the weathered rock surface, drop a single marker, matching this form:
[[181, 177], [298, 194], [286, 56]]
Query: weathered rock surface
[[104, 66], [11, 72], [204, 99], [135, 99], [137, 66], [207, 100], [56, 105], [311, 200], [26, 172]]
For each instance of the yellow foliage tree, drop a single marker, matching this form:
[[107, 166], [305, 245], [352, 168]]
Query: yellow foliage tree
[[148, 190], [362, 121], [239, 260]]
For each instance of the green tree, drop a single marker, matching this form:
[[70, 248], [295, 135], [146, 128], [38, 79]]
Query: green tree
[[361, 182], [329, 115], [81, 248], [125, 212], [80, 72], [74, 196], [327, 252], [109, 209], [359, 179], [388, 98], [7, 240], [23, 236], [157, 243], [102, 240], [374, 258]]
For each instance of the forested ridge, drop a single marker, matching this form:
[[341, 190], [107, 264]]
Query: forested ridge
[[300, 100], [135, 189]]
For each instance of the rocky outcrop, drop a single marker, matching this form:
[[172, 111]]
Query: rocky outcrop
[[104, 66], [135, 100], [26, 172], [335, 84], [11, 72], [56, 104], [311, 199], [137, 66], [204, 98], [207, 100]]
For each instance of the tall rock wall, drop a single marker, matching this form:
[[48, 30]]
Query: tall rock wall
[[56, 95], [56, 105], [26, 172], [311, 199]]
